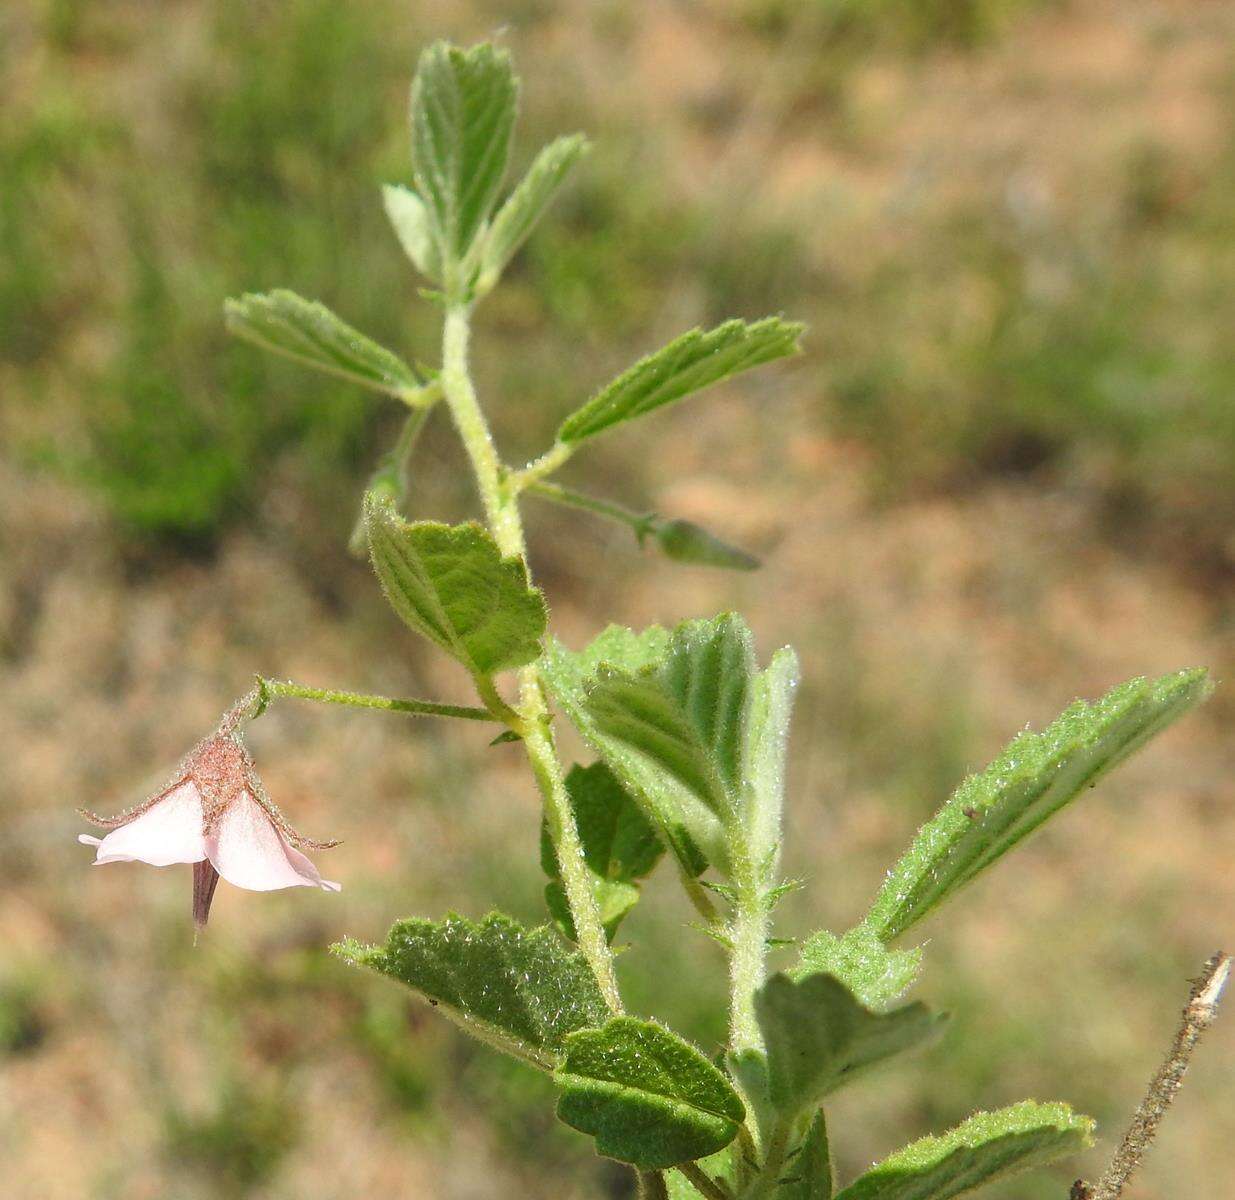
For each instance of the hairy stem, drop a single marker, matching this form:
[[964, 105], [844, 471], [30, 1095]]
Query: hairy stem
[[702, 1182], [545, 465], [747, 965], [641, 523], [764, 1184], [274, 689], [1198, 1015], [391, 475], [530, 720]]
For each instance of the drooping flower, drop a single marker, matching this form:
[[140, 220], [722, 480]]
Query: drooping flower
[[215, 814]]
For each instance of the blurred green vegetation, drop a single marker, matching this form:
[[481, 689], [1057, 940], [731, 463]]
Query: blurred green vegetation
[[980, 330], [992, 335]]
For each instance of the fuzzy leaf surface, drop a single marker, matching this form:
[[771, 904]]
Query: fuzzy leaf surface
[[310, 333], [413, 227], [620, 847], [692, 362], [567, 673], [809, 1175], [872, 972], [819, 1037], [986, 1148], [463, 111], [648, 1097], [451, 583], [1036, 776], [519, 990], [526, 204]]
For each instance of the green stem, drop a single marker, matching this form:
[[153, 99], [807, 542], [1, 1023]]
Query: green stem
[[531, 719], [546, 464], [765, 1182], [390, 476], [703, 1183], [502, 516], [274, 689], [747, 965], [641, 523]]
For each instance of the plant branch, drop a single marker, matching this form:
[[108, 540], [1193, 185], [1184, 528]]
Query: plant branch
[[766, 1180], [545, 465], [702, 1182], [530, 721], [1198, 1015], [274, 689], [641, 523], [748, 932], [390, 475]]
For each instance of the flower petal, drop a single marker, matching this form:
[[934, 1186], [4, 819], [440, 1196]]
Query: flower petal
[[249, 852], [169, 831]]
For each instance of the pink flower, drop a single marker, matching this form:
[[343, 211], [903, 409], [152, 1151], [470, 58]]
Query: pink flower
[[216, 815]]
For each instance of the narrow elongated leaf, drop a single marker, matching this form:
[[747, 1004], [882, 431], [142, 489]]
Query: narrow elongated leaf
[[414, 228], [451, 583], [1036, 776], [521, 991], [766, 743], [310, 333], [986, 1148], [620, 847], [809, 1175], [524, 206], [648, 1097], [819, 1037], [693, 362], [463, 110], [872, 972]]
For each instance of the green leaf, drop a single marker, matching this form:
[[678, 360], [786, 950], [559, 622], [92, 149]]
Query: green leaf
[[566, 674], [691, 730], [986, 1148], [311, 334], [1036, 776], [673, 731], [520, 991], [809, 1175], [463, 111], [620, 847], [686, 716], [766, 745], [872, 972], [684, 541], [525, 205], [648, 1097], [819, 1037], [693, 362], [451, 583], [414, 228]]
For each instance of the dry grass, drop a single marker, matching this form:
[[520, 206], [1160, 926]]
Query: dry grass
[[930, 630]]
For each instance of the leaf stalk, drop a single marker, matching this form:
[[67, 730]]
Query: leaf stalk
[[274, 689]]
